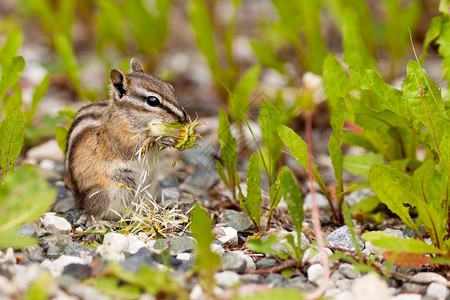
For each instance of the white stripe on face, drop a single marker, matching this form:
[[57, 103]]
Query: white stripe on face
[[178, 112]]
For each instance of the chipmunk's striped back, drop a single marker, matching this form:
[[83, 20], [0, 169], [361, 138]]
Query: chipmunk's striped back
[[104, 139]]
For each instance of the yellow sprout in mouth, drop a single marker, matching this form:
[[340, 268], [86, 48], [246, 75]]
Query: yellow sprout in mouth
[[183, 133]]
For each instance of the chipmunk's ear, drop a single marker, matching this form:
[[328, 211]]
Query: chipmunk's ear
[[119, 82], [136, 65]]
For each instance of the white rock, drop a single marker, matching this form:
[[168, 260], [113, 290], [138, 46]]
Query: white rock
[[118, 240], [55, 224], [184, 256], [217, 249], [304, 242], [134, 244], [110, 252], [428, 277], [56, 267], [7, 289], [370, 287], [438, 291], [197, 293], [8, 257], [314, 258], [230, 238], [321, 201], [394, 232], [373, 249], [408, 296], [226, 279], [26, 274], [250, 264], [342, 295], [315, 273], [48, 150]]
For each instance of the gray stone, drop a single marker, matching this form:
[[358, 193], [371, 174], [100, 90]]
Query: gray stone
[[217, 249], [36, 255], [227, 279], [28, 230], [75, 249], [358, 195], [370, 287], [275, 279], [143, 257], [64, 205], [424, 278], [344, 284], [229, 237], [321, 201], [177, 245], [55, 224], [342, 238], [439, 291], [60, 240], [265, 263], [234, 262], [394, 232], [300, 283], [200, 182], [249, 278], [54, 252], [202, 157], [170, 194], [79, 271], [238, 220], [348, 271], [56, 266]]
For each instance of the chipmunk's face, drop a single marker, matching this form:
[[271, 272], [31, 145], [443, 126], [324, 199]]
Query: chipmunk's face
[[146, 100]]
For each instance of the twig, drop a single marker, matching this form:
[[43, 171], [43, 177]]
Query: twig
[[315, 216], [287, 264]]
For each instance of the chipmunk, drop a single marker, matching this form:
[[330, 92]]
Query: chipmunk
[[104, 141]]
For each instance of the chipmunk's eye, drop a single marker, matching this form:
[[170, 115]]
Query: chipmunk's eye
[[152, 101]]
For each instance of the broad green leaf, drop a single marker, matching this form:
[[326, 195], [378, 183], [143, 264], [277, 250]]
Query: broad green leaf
[[444, 167], [293, 197], [221, 172], [390, 97], [394, 189], [299, 150], [16, 242], [443, 7], [389, 242], [253, 199], [355, 52], [61, 138], [260, 246], [336, 81], [275, 194], [12, 44], [207, 261], [65, 51], [202, 26], [39, 92], [18, 196], [245, 86], [355, 139], [424, 100], [432, 33], [365, 205], [338, 118], [11, 74], [337, 160], [11, 140], [13, 100], [360, 164]]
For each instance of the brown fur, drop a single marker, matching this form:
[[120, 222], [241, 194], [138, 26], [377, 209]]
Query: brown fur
[[105, 136]]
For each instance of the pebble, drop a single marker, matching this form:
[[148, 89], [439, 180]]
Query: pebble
[[56, 266], [197, 293], [135, 262], [425, 278], [238, 220], [177, 245], [394, 232], [117, 240], [54, 252], [134, 244], [55, 224], [348, 271], [249, 278], [48, 150], [233, 261], [370, 287], [170, 194], [217, 249], [110, 252], [314, 258], [229, 237], [358, 195], [185, 256], [265, 263], [75, 249], [79, 271], [321, 201], [342, 238], [227, 279], [27, 230], [438, 291], [315, 273], [406, 296]]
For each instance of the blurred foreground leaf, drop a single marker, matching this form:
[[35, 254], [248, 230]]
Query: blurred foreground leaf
[[10, 74], [11, 140]]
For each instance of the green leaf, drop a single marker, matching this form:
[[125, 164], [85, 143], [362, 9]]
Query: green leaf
[[18, 203], [299, 150], [228, 147], [349, 223], [390, 97], [207, 261], [389, 242], [338, 117], [65, 51], [16, 242], [394, 189], [61, 137], [432, 34], [202, 25], [11, 74], [11, 140], [424, 100], [444, 167], [12, 44], [360, 164], [253, 199], [260, 246], [245, 86], [267, 55], [275, 195], [38, 94], [293, 197], [365, 205], [336, 80], [355, 139], [443, 7], [274, 293], [355, 52], [337, 161]]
